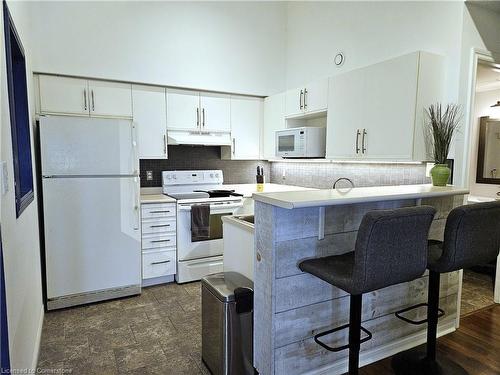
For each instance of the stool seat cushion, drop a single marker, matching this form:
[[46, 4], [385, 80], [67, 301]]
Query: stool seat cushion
[[335, 269], [435, 251]]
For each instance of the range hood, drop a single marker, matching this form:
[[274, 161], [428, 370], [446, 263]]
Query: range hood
[[179, 137]]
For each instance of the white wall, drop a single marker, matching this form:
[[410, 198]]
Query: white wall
[[21, 249], [482, 108], [226, 46]]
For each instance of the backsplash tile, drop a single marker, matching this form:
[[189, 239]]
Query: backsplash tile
[[323, 175], [202, 157]]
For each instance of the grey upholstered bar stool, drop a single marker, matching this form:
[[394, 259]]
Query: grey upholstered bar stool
[[471, 237], [391, 248]]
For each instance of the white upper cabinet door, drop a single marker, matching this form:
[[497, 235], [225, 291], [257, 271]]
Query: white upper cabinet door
[[183, 110], [387, 105], [316, 96], [294, 102], [343, 140], [215, 112], [274, 119], [246, 124], [150, 116], [110, 99], [63, 95]]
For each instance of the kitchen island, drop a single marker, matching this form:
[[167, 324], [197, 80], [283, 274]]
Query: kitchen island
[[290, 307]]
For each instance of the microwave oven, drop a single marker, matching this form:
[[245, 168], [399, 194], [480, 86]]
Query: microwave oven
[[305, 142]]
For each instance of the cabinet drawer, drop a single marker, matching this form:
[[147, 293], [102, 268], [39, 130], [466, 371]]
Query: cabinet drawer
[[160, 225], [157, 264], [158, 240], [154, 210]]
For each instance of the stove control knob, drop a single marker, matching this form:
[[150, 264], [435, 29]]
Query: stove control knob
[[168, 177], [216, 175], [211, 175]]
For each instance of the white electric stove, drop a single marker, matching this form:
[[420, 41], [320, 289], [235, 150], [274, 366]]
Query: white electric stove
[[200, 258]]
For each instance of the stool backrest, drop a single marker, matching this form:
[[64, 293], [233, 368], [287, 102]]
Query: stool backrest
[[391, 247], [471, 237]]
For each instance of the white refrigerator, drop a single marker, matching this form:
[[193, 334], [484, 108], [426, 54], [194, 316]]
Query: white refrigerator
[[90, 195]]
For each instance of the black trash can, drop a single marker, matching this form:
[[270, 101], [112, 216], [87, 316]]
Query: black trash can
[[227, 324]]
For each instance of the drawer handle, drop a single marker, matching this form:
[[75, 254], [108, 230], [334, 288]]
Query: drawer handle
[[160, 240], [159, 226], [159, 212], [162, 262]]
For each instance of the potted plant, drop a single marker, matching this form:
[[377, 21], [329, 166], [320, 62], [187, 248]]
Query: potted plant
[[442, 126]]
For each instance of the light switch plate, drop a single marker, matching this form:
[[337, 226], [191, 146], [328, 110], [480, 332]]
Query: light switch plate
[[4, 177], [428, 168], [149, 175]]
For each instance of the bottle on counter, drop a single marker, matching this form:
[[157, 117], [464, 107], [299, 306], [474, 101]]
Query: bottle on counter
[[260, 179]]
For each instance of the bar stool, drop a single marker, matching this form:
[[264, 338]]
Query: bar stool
[[391, 248], [471, 236]]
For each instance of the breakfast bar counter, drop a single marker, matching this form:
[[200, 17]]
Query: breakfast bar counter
[[290, 306]]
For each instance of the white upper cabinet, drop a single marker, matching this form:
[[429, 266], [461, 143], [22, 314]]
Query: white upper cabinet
[[215, 112], [246, 124], [377, 112], [74, 96], [183, 110], [150, 116], [309, 99], [110, 99], [61, 95], [274, 119]]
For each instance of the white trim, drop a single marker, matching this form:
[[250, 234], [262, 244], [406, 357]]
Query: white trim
[[497, 282], [459, 297], [384, 351], [38, 339]]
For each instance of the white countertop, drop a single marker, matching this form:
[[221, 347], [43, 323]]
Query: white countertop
[[249, 189], [156, 198], [479, 199], [329, 197]]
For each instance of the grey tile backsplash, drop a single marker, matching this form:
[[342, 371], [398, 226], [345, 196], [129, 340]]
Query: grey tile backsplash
[[202, 157], [318, 175], [323, 175]]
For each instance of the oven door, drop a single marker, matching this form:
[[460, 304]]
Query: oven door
[[188, 250], [288, 143]]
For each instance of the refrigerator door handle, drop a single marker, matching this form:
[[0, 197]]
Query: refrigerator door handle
[[136, 205], [134, 147]]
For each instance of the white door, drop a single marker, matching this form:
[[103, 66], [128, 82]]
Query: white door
[[183, 110], [215, 112], [87, 146], [92, 236], [63, 95], [150, 117], [274, 119], [294, 102], [316, 96], [246, 124], [110, 99], [388, 108], [344, 120]]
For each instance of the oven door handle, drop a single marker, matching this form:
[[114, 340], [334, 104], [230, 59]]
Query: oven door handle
[[215, 207]]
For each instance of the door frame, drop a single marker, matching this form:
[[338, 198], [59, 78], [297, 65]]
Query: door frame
[[477, 55], [4, 343]]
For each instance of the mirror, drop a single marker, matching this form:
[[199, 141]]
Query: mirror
[[488, 158]]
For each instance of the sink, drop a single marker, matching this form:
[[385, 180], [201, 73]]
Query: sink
[[247, 218]]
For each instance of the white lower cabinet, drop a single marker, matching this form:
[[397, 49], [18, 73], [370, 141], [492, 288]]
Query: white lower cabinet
[[159, 250]]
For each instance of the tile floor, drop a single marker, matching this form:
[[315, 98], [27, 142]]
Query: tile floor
[[477, 292], [158, 332]]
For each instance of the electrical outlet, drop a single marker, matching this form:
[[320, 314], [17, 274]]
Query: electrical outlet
[[149, 175], [4, 177], [283, 176]]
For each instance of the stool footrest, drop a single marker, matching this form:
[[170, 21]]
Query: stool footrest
[[441, 313], [343, 347]]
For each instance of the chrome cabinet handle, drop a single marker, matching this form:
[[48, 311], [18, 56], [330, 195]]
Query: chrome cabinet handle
[[92, 96], [159, 212], [162, 262], [300, 99], [85, 99], [358, 133], [305, 98], [234, 146], [363, 149], [165, 144], [197, 117], [155, 241], [159, 226], [203, 117]]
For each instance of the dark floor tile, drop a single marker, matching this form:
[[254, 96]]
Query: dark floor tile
[[101, 341], [153, 330], [138, 356], [59, 351], [97, 364]]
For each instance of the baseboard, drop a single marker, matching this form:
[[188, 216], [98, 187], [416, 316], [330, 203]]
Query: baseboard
[[157, 280], [38, 339], [384, 351]]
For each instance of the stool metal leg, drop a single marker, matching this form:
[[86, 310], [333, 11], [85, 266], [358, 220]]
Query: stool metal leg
[[354, 333], [423, 361]]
